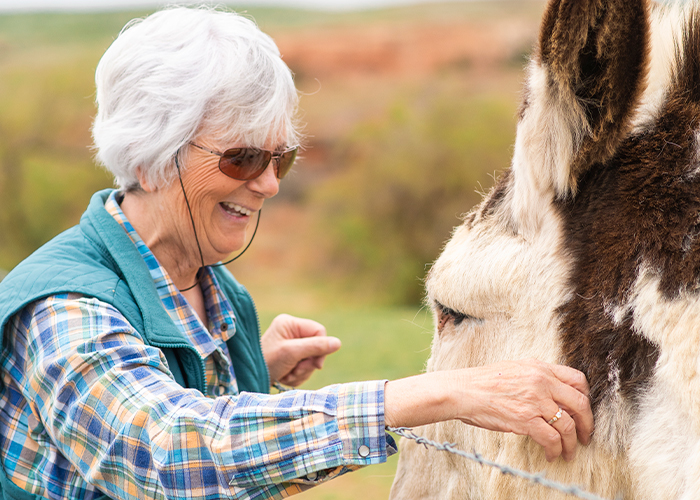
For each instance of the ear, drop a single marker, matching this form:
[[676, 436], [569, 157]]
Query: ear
[[586, 77], [144, 182]]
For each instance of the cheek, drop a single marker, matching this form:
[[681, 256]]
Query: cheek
[[201, 186], [206, 187]]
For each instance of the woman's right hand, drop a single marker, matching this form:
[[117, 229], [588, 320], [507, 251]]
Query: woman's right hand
[[512, 396], [294, 347]]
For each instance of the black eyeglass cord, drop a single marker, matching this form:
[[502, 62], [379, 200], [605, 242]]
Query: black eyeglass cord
[[194, 229]]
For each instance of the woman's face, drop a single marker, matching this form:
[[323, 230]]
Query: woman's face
[[222, 207]]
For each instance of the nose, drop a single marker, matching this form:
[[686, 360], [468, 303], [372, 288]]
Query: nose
[[267, 184]]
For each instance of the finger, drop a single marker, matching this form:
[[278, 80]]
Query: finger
[[578, 407], [304, 369], [548, 437], [299, 374], [312, 347], [566, 427], [290, 381], [572, 377], [303, 327], [300, 354], [294, 380]]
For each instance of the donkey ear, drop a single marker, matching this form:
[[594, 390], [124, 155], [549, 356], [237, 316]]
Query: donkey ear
[[589, 68]]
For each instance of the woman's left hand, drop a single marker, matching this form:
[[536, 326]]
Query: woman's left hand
[[294, 348]]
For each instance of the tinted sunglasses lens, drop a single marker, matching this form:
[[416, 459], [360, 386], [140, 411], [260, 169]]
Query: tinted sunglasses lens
[[244, 164], [285, 162]]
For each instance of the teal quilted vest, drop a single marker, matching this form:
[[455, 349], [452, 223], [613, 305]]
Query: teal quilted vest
[[96, 258]]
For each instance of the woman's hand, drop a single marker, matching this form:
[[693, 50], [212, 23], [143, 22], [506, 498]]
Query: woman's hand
[[519, 397], [294, 348]]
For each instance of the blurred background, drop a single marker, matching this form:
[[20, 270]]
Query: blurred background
[[410, 115]]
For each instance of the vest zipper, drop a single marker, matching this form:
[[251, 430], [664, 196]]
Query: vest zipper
[[202, 369], [257, 322]]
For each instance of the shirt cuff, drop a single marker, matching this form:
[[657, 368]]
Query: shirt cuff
[[351, 435], [361, 427]]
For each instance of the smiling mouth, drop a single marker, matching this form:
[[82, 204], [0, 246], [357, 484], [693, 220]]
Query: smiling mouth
[[236, 210]]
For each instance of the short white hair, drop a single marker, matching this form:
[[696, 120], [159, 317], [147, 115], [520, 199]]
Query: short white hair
[[182, 72]]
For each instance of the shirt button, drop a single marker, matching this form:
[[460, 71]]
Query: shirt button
[[312, 476], [224, 327], [363, 451]]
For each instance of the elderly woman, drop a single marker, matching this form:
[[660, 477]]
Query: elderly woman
[[132, 365]]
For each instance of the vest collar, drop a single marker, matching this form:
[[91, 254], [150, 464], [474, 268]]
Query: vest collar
[[106, 233]]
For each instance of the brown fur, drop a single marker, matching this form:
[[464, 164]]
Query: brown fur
[[642, 206]]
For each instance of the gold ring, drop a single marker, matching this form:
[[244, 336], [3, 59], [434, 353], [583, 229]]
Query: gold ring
[[555, 417]]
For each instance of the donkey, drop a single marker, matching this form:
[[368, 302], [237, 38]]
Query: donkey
[[587, 253]]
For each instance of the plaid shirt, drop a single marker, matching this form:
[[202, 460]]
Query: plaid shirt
[[86, 407]]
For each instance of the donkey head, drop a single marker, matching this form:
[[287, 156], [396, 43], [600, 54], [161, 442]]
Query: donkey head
[[586, 252]]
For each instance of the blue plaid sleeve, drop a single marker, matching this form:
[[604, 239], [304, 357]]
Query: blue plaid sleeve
[[108, 404]]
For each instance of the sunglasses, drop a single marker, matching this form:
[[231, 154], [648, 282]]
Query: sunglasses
[[245, 164]]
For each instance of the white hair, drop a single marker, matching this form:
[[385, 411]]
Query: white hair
[[182, 72]]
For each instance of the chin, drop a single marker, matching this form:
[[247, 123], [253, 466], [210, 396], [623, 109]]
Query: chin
[[226, 251]]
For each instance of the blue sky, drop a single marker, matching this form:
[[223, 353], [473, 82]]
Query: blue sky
[[63, 5]]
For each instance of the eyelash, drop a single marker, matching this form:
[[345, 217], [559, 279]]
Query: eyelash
[[457, 317]]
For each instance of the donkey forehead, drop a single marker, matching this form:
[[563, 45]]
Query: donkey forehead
[[487, 268]]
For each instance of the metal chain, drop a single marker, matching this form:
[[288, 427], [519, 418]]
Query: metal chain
[[534, 478], [280, 387]]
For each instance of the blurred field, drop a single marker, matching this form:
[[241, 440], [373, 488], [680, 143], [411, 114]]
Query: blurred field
[[410, 112]]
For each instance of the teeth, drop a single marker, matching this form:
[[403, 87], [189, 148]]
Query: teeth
[[237, 208]]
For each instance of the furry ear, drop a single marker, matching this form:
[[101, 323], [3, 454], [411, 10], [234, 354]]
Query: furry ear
[[586, 78]]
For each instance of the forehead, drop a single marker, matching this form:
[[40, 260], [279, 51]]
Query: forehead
[[488, 267]]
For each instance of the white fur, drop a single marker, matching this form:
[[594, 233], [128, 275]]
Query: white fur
[[665, 42], [547, 137], [673, 325]]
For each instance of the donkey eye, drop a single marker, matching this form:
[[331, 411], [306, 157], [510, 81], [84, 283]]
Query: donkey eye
[[445, 315]]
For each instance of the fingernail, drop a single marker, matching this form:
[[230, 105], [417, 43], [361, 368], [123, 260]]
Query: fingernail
[[334, 343]]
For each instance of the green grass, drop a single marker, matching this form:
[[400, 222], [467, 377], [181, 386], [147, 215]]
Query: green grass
[[370, 483], [60, 28], [378, 343]]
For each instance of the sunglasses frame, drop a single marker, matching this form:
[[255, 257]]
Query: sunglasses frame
[[274, 155]]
